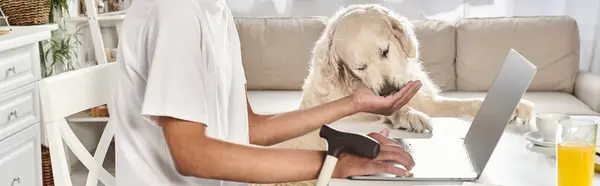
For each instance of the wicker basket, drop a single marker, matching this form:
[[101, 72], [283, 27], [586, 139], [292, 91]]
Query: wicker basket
[[47, 176], [26, 12]]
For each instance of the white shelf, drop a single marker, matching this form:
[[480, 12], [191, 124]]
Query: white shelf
[[111, 17], [84, 117], [108, 20]]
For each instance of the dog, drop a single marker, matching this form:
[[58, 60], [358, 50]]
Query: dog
[[369, 45]]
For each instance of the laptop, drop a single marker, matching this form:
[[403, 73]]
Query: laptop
[[463, 159]]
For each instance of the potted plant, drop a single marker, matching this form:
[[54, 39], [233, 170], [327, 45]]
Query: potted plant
[[60, 52]]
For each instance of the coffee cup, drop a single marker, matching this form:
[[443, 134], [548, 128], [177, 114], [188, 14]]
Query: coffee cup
[[547, 123]]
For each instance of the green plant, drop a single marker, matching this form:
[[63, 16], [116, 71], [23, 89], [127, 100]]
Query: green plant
[[60, 6], [61, 49], [60, 52]]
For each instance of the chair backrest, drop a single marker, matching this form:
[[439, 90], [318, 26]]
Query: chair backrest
[[70, 92], [66, 94]]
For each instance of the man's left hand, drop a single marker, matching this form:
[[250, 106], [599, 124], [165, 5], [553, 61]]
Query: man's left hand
[[365, 100]]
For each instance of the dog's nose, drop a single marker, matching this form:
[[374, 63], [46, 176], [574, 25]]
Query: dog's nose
[[388, 89]]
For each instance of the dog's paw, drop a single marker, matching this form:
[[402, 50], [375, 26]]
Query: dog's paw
[[523, 113], [412, 121]]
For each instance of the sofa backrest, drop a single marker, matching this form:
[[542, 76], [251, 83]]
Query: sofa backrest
[[463, 55], [437, 46], [550, 42], [276, 51]]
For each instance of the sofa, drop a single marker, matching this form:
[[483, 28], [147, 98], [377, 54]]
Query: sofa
[[462, 57]]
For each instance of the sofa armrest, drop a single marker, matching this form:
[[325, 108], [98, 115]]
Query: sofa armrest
[[587, 89]]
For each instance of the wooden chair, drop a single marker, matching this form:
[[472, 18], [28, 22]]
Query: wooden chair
[[64, 95]]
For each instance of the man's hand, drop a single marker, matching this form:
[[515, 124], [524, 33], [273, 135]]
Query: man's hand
[[351, 165], [365, 100]]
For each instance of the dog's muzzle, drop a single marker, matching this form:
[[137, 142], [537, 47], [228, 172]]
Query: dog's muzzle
[[388, 89]]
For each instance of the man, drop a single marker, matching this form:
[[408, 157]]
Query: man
[[183, 118]]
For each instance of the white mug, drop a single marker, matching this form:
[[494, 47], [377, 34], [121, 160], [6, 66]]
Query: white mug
[[547, 123]]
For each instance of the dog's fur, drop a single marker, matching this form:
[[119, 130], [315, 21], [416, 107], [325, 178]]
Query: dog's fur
[[369, 45]]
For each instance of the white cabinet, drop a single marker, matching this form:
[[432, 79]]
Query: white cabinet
[[20, 158], [20, 129]]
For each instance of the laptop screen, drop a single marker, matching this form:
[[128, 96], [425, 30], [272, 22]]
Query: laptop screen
[[511, 82]]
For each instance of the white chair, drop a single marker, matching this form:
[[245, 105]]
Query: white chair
[[64, 95]]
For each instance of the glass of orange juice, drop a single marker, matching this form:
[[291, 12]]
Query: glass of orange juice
[[576, 151]]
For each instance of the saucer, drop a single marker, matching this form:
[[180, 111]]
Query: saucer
[[536, 139]]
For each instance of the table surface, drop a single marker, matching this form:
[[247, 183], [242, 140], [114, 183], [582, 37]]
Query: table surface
[[515, 161]]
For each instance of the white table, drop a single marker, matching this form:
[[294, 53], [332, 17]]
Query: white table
[[515, 162]]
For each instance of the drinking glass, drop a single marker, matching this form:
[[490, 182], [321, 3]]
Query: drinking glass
[[576, 151]]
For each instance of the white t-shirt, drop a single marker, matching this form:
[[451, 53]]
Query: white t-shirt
[[177, 58]]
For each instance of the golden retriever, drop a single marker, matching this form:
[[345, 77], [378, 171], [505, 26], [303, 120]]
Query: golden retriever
[[369, 45]]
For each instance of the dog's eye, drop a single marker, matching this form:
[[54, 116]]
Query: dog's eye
[[385, 51], [362, 67]]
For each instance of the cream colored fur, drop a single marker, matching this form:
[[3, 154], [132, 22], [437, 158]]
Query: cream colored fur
[[349, 54]]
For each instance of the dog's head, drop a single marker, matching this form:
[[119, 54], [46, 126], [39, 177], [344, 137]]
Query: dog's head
[[367, 44]]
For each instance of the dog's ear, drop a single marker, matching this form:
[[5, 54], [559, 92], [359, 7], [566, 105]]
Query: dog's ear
[[403, 31], [331, 66], [324, 56], [346, 77]]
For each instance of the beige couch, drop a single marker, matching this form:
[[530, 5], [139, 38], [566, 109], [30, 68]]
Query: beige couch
[[462, 57]]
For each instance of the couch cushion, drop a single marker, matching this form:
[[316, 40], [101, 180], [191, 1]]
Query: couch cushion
[[268, 102], [276, 51], [438, 48], [544, 101], [550, 42]]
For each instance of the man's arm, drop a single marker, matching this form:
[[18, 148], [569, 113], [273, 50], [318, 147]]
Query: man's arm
[[272, 129], [269, 130], [197, 155]]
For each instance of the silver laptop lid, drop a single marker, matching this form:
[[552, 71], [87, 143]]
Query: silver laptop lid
[[508, 87]]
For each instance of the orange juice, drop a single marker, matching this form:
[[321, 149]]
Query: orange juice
[[575, 164]]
